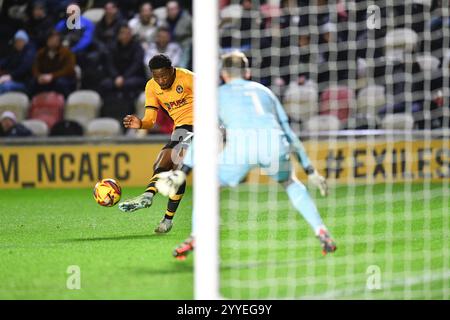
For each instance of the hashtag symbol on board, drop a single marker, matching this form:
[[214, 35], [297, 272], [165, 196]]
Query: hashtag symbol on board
[[334, 164]]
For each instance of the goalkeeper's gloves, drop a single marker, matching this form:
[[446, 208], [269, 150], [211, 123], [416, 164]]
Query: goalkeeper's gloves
[[169, 182], [320, 182]]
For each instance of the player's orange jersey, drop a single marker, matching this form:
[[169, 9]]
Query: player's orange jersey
[[176, 101]]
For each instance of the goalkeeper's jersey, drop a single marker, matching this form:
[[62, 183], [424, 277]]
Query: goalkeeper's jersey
[[247, 104]]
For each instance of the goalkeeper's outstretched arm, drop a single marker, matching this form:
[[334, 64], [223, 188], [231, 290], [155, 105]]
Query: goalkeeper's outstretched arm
[[313, 176], [293, 140]]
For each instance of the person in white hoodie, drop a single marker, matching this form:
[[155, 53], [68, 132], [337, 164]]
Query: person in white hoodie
[[145, 24], [164, 45]]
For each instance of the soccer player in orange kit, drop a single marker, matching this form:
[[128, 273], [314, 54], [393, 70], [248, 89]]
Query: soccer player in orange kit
[[171, 90]]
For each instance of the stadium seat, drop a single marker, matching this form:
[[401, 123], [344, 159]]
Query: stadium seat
[[16, 102], [398, 121], [427, 62], [94, 14], [38, 127], [362, 121], [370, 99], [399, 41], [322, 123], [103, 127], [301, 102], [66, 128], [83, 106], [48, 107], [338, 101]]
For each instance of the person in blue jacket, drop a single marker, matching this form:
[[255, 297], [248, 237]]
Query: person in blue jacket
[[78, 40]]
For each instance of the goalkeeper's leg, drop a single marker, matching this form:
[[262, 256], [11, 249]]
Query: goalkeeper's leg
[[184, 248], [302, 201]]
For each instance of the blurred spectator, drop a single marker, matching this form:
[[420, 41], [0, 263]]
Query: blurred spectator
[[128, 8], [54, 67], [333, 55], [12, 17], [15, 70], [13, 12], [125, 67], [78, 40], [251, 17], [144, 25], [404, 79], [179, 22], [163, 45], [9, 127], [56, 9], [93, 65], [39, 24], [241, 27], [107, 28], [299, 66]]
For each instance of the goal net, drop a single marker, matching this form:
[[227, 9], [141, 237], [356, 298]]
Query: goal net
[[366, 87]]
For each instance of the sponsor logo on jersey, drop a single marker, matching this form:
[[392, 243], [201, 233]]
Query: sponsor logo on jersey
[[175, 104]]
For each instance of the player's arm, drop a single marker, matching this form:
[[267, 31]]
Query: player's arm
[[294, 141], [150, 115], [313, 176], [133, 122]]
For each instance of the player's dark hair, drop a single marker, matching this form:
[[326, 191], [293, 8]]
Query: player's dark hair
[[235, 64], [160, 61]]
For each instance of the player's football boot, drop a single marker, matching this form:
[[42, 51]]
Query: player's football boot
[[183, 249], [327, 243], [164, 226], [140, 202]]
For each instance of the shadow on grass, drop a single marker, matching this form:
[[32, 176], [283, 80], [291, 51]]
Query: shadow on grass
[[178, 267], [115, 238]]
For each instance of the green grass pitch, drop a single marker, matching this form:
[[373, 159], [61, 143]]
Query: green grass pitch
[[267, 249]]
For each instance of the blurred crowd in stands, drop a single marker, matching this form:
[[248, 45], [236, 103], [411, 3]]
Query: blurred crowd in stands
[[340, 65], [106, 51], [331, 70]]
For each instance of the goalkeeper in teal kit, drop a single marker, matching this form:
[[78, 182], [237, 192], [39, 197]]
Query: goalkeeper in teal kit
[[257, 135]]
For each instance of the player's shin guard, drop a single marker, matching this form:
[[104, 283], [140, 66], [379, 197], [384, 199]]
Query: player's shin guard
[[174, 201], [304, 204]]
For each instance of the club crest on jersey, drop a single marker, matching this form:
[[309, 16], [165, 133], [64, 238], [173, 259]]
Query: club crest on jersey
[[179, 89]]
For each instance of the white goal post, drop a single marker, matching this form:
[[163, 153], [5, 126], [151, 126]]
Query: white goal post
[[372, 109], [205, 198]]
